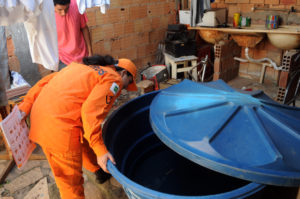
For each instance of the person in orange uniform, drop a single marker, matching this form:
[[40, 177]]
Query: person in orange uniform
[[66, 111]]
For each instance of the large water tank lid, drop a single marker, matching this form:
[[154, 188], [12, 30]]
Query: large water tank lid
[[248, 136]]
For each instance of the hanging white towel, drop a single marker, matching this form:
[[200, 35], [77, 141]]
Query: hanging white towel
[[39, 20], [84, 4], [42, 37]]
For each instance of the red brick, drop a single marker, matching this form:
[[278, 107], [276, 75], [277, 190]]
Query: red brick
[[141, 39], [243, 1], [116, 3], [151, 49], [288, 2], [231, 1], [119, 29], [91, 18], [130, 53], [10, 46], [231, 10], [102, 32], [114, 15], [271, 1], [157, 35], [168, 8], [129, 27], [155, 10], [245, 8], [221, 5], [283, 79], [155, 22], [102, 47], [257, 1], [142, 25], [137, 12], [172, 19], [116, 45], [164, 21], [142, 51], [217, 65], [216, 76], [14, 63], [127, 42], [259, 54], [214, 5]]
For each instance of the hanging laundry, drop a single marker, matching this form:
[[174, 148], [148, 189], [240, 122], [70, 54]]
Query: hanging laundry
[[15, 11], [197, 10], [42, 37], [84, 4], [39, 21]]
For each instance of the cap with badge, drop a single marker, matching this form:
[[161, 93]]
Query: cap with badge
[[131, 68]]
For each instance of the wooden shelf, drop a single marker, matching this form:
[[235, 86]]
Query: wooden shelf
[[253, 29]]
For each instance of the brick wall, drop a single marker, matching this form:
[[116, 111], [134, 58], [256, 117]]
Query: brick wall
[[131, 28], [264, 48]]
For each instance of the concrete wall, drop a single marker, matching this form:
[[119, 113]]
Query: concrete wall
[[264, 48]]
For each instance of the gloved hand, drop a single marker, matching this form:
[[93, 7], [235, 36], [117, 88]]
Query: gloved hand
[[102, 161]]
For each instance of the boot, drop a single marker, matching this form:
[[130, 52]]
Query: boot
[[102, 176]]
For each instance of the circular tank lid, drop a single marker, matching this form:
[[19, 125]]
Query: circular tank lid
[[245, 135]]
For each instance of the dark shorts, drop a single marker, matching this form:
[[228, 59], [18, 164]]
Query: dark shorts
[[61, 65]]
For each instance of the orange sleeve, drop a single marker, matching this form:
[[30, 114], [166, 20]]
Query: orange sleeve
[[33, 93], [95, 109]]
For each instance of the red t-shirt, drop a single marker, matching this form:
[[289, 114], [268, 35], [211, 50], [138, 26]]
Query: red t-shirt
[[71, 43]]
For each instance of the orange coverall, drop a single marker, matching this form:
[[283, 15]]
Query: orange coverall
[[67, 110]]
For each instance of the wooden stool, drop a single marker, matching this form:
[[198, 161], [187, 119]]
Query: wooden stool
[[184, 60]]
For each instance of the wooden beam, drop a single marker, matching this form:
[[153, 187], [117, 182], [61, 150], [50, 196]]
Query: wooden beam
[[5, 156], [6, 170]]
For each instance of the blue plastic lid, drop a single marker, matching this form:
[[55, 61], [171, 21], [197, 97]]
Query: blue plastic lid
[[248, 136]]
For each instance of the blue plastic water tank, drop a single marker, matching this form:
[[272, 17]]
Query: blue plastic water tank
[[167, 157]]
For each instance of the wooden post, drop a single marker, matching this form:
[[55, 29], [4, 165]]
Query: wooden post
[[4, 112], [184, 4]]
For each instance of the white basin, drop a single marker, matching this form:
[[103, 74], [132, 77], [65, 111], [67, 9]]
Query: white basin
[[284, 41]]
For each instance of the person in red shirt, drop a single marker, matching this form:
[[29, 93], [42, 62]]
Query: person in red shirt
[[66, 111], [73, 34]]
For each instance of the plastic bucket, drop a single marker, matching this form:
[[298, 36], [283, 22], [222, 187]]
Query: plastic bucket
[[147, 168]]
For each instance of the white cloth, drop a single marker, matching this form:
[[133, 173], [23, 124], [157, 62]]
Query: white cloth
[[42, 37], [18, 80], [39, 21], [15, 11], [84, 4]]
